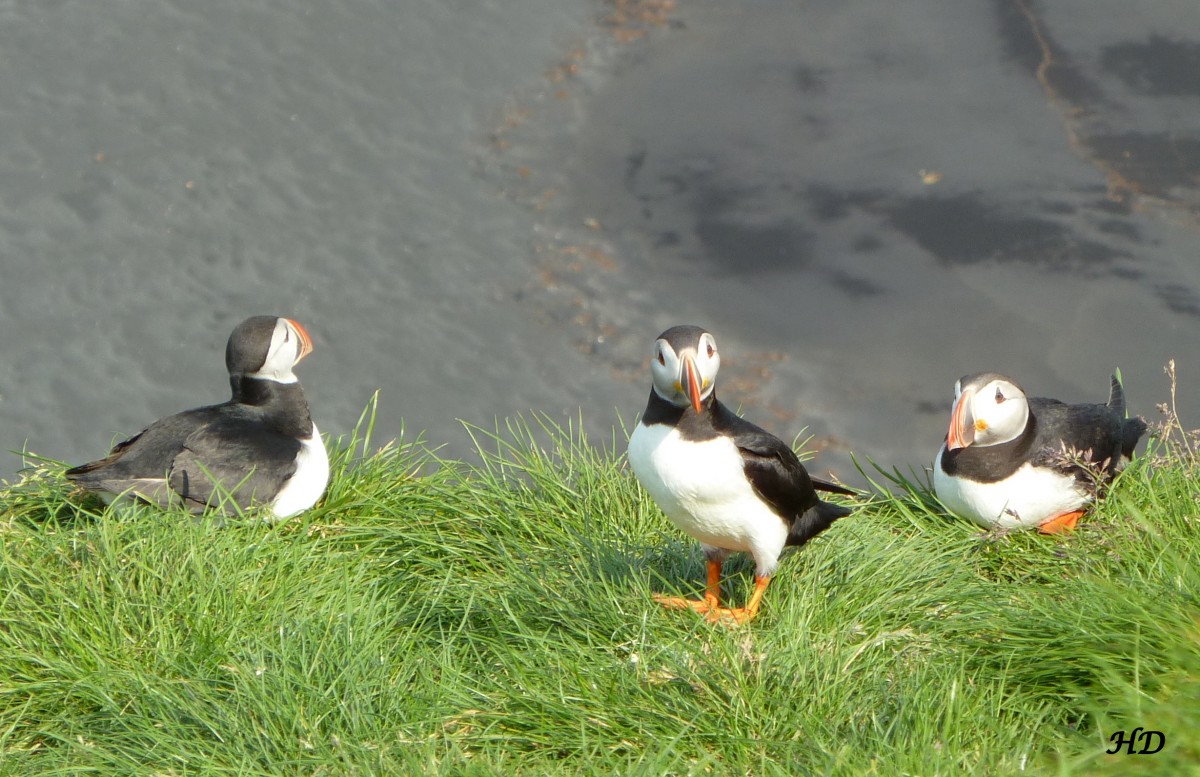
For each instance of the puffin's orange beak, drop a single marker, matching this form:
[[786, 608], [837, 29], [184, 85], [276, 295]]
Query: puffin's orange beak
[[306, 345], [693, 381], [962, 423]]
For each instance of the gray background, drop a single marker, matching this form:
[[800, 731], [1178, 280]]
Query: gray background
[[486, 208]]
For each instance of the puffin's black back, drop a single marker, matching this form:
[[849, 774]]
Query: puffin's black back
[[1098, 433], [148, 453]]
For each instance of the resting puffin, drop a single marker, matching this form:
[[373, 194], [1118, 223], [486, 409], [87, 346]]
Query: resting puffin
[[261, 446], [719, 478], [1009, 461]]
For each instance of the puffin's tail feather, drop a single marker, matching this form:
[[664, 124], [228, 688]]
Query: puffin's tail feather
[[815, 520], [1132, 429], [1116, 395], [831, 488]]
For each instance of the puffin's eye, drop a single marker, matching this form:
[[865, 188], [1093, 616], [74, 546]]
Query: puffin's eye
[[711, 350], [662, 359], [999, 396]]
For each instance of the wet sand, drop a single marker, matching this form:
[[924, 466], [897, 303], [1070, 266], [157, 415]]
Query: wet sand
[[866, 202], [168, 169], [483, 211]]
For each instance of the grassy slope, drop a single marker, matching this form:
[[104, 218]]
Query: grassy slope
[[496, 619]]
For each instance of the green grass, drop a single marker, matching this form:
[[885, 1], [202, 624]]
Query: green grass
[[438, 617]]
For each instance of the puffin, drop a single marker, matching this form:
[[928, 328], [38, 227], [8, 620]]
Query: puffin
[[1011, 461], [719, 478], [259, 448]]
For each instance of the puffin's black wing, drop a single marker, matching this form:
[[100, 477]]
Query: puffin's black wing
[[779, 478], [139, 465], [1096, 434], [240, 460]]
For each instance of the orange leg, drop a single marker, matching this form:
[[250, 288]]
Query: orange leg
[[1062, 523], [712, 595], [736, 616], [710, 605]]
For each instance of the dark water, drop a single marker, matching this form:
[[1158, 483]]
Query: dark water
[[486, 208]]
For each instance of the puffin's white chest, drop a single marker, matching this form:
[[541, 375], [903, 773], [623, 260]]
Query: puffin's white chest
[[1027, 498], [307, 483], [703, 490]]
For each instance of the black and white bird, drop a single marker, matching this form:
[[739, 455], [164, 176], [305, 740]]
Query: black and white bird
[[1009, 461], [719, 478], [260, 447]]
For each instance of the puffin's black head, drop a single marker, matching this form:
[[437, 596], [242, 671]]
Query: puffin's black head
[[267, 347], [989, 409], [684, 366]]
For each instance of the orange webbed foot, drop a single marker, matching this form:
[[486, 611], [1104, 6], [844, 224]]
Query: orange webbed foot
[[701, 606], [710, 609], [710, 606], [1060, 524], [730, 616], [712, 594]]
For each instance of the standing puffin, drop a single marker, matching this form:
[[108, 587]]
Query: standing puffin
[[1009, 461], [719, 478], [259, 447]]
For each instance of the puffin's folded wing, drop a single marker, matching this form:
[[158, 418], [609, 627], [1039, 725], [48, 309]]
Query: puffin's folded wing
[[1073, 438], [116, 476], [235, 462], [154, 491], [773, 469]]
